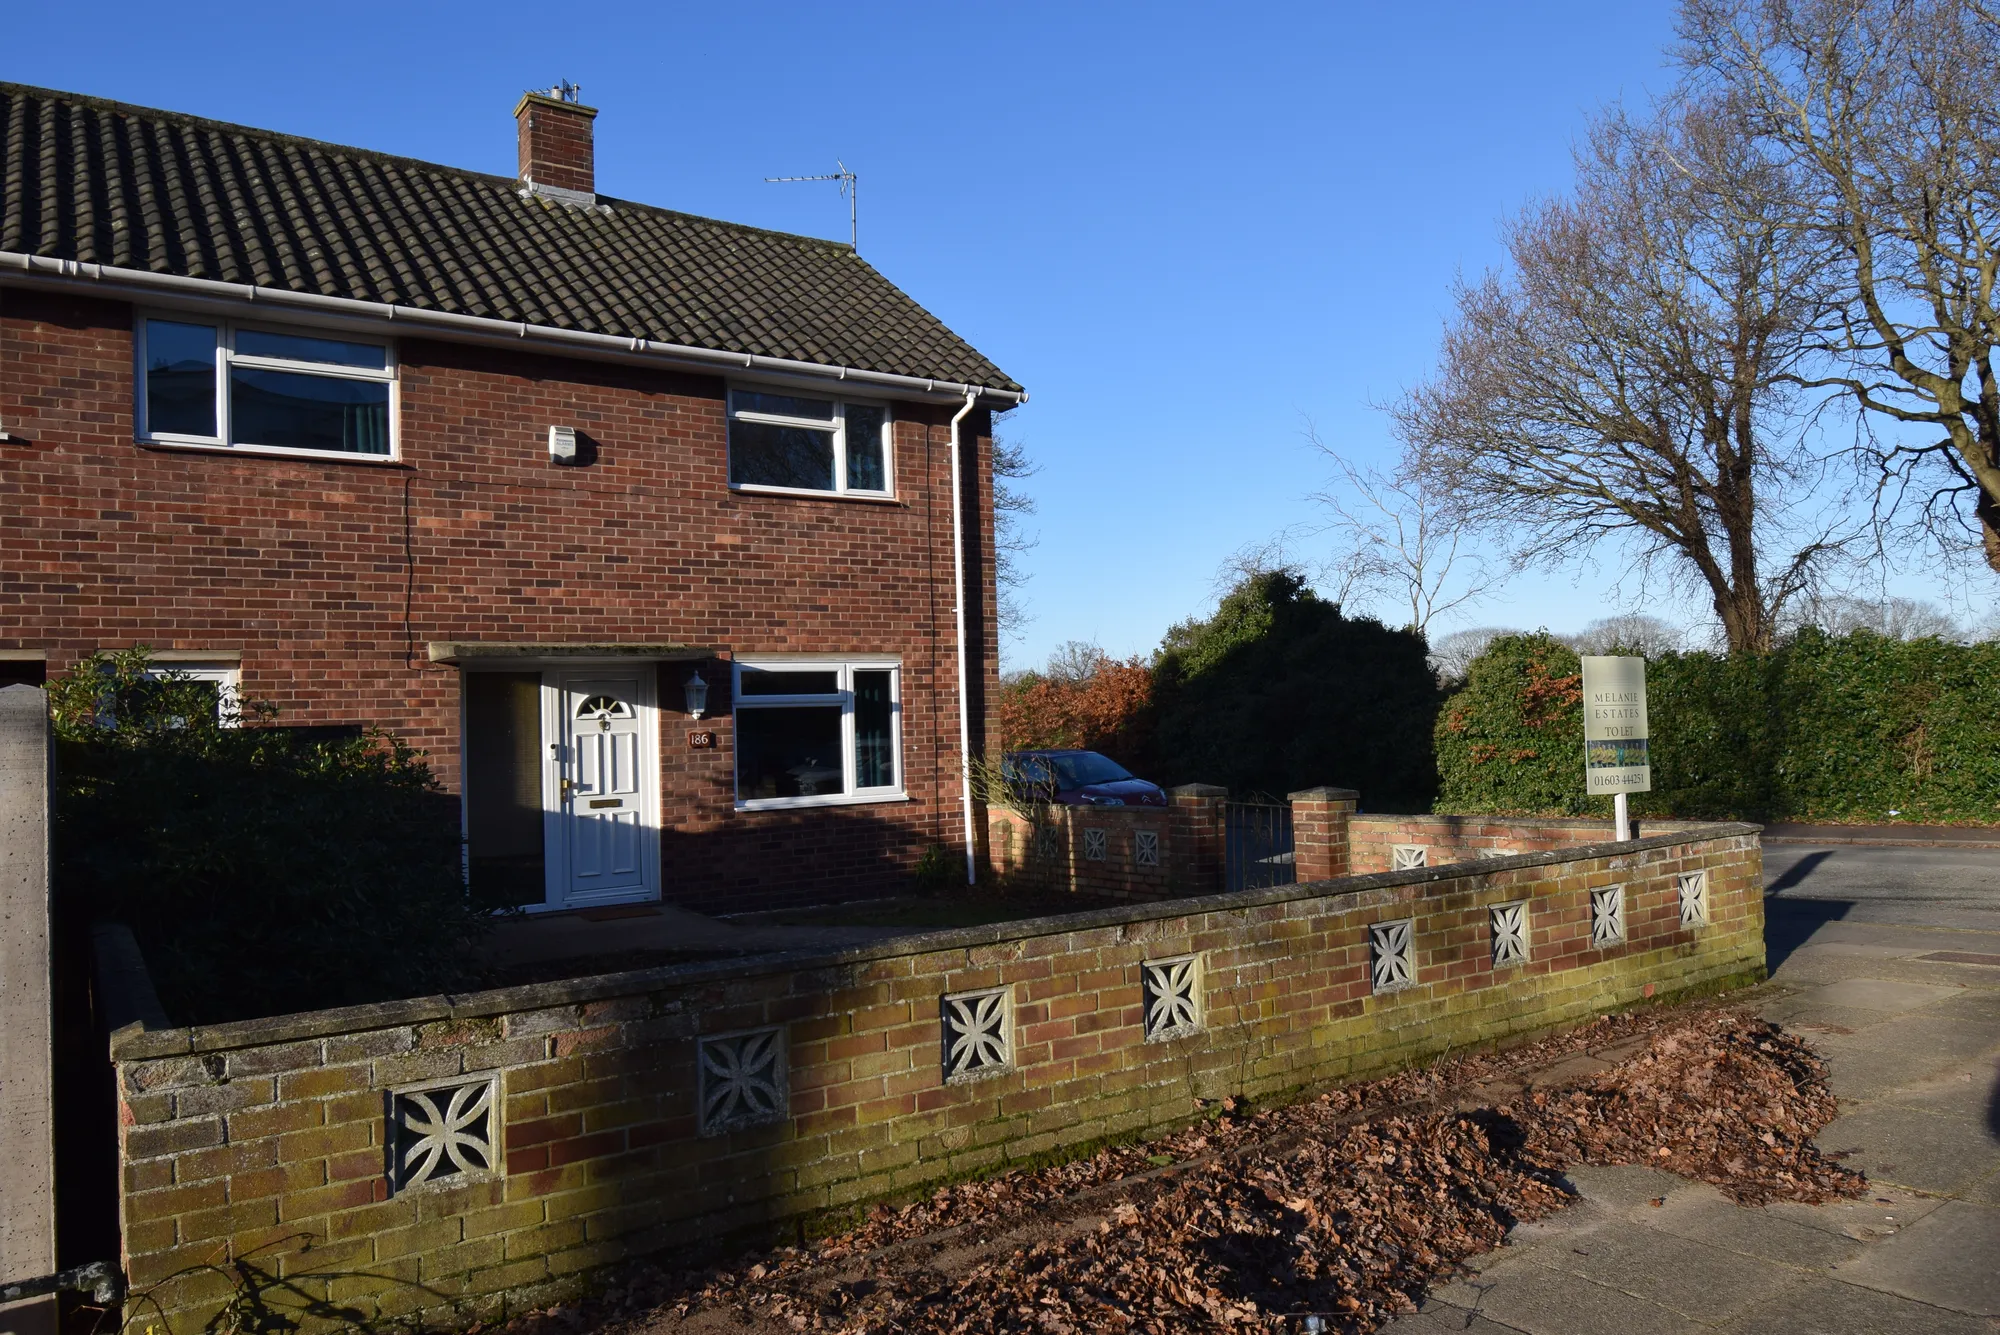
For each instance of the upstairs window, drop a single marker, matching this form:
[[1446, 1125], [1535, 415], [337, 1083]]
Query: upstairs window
[[786, 442], [261, 389]]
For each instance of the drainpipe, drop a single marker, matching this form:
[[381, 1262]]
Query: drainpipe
[[958, 592]]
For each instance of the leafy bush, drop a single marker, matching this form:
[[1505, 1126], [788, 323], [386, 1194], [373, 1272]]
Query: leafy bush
[[261, 874], [1858, 727], [1278, 691], [1107, 710]]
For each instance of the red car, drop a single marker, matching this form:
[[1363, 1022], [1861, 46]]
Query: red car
[[1079, 778]]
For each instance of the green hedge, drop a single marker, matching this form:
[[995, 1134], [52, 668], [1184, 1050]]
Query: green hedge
[[1851, 728]]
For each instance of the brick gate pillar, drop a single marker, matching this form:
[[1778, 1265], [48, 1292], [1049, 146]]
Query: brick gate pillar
[[1319, 832], [1199, 834]]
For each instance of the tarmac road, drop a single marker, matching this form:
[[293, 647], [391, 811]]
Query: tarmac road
[[1919, 887]]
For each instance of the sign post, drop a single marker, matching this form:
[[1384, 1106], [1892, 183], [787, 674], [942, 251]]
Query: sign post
[[1614, 732]]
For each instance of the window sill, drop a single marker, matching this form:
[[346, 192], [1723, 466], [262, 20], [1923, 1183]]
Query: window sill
[[806, 803], [805, 494], [268, 452]]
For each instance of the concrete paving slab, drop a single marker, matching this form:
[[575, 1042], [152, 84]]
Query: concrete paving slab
[[1624, 1187], [1946, 1040], [1949, 1258], [1878, 994], [1911, 1148], [1968, 1090], [1704, 1283], [1857, 1075], [1810, 1018], [1986, 1191], [1762, 1233], [1884, 1211], [1436, 1318], [1818, 1306], [1978, 1003], [1542, 1301]]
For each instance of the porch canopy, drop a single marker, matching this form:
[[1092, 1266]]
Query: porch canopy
[[460, 652]]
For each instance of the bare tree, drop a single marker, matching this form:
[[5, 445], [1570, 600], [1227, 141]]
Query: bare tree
[[1632, 632], [1892, 618], [1884, 116], [1634, 377], [1453, 652], [1400, 540], [1011, 541]]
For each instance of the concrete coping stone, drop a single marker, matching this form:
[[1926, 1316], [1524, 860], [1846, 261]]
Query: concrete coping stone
[[1324, 794], [1198, 790], [133, 1045]]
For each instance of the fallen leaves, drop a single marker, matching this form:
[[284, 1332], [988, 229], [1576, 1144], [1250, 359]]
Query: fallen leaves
[[1346, 1207]]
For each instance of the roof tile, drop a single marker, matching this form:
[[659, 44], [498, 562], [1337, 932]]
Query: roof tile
[[106, 183]]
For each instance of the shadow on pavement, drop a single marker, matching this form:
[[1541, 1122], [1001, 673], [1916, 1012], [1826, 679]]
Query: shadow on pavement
[[1790, 923]]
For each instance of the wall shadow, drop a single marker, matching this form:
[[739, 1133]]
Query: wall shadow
[[1790, 923]]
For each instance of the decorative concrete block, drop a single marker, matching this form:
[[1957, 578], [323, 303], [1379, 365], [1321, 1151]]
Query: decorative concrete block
[[1172, 989], [1408, 857], [1693, 887], [744, 1079], [1146, 848], [1392, 954], [1607, 916], [1094, 842], [978, 1036], [1510, 933], [444, 1132]]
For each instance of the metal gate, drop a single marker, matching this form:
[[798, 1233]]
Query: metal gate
[[1258, 844]]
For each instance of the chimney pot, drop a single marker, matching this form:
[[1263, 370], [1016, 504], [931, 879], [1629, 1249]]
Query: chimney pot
[[556, 153]]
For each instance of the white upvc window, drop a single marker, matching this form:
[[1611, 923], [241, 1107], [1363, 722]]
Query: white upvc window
[[263, 389], [794, 442], [817, 732]]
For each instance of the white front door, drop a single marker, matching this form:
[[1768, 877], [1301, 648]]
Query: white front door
[[605, 847]]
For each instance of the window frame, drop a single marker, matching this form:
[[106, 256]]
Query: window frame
[[843, 695], [226, 357], [838, 426]]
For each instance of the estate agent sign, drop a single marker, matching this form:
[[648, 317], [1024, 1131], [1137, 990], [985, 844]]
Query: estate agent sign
[[1614, 725]]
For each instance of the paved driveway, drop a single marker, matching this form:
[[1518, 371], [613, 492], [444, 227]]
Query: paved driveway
[[1888, 959]]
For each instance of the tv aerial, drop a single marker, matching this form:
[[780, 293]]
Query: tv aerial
[[850, 190]]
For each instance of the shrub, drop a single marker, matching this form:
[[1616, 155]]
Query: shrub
[[1109, 710], [260, 874], [1278, 691]]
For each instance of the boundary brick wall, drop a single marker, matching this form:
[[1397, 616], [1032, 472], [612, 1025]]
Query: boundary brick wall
[[1447, 839], [643, 1111], [328, 577], [1131, 853]]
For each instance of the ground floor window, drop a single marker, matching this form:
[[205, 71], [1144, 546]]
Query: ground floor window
[[815, 732]]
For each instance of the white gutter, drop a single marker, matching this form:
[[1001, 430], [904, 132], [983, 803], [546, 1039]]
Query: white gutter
[[958, 591], [142, 285]]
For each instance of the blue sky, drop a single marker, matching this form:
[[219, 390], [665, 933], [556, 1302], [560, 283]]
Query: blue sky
[[1186, 229]]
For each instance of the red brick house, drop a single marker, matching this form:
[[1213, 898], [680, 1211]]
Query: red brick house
[[514, 470]]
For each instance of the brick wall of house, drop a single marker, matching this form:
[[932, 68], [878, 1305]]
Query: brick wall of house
[[329, 577], [265, 1143]]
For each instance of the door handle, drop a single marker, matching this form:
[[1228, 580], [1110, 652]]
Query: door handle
[[566, 787]]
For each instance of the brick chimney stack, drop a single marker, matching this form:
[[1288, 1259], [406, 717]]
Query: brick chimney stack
[[556, 155]]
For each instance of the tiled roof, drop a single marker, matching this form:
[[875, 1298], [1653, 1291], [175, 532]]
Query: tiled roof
[[134, 188]]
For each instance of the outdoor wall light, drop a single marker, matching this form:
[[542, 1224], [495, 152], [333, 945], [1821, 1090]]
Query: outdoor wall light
[[697, 695]]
